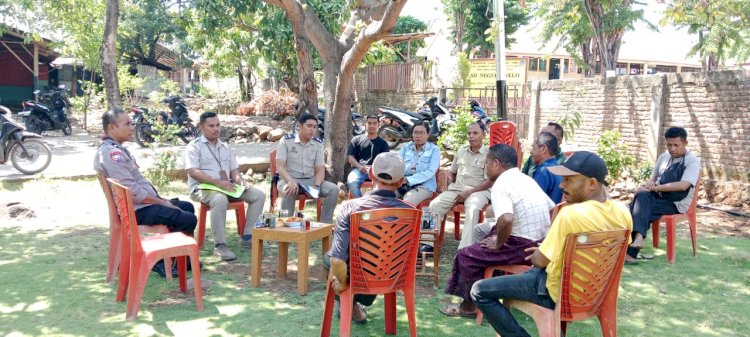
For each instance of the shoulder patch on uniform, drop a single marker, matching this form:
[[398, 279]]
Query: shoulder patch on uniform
[[317, 139], [118, 156], [289, 136]]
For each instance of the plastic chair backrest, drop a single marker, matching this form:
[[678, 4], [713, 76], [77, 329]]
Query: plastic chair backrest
[[503, 132], [591, 269], [124, 201], [114, 218], [383, 249], [694, 201], [273, 162]]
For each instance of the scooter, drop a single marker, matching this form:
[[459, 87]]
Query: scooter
[[38, 117], [144, 132], [396, 124], [25, 150], [478, 112]]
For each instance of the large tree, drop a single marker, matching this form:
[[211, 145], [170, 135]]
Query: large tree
[[472, 19], [565, 22], [609, 20], [723, 28], [109, 55], [368, 22]]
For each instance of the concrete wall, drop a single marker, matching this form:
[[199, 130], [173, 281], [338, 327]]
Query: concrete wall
[[713, 107]]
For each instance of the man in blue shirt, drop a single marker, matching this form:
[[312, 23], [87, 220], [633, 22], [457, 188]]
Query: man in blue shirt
[[543, 152], [529, 167]]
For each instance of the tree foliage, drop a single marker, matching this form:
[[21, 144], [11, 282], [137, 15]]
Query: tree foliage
[[723, 28], [472, 22], [408, 24]]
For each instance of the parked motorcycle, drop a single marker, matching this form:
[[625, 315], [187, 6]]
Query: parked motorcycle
[[25, 151], [358, 123], [396, 124], [38, 117], [143, 119], [479, 113]]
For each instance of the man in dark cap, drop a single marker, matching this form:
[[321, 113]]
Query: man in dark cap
[[590, 210]]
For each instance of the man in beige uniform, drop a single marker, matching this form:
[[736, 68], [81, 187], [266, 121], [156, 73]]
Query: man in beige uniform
[[470, 186], [299, 160], [209, 160]]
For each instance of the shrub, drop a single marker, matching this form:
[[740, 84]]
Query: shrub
[[164, 163], [455, 135], [612, 150], [641, 174]]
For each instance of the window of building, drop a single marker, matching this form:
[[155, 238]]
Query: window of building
[[533, 64], [690, 70]]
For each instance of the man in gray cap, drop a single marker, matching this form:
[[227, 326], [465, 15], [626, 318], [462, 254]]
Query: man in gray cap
[[589, 210], [387, 174]]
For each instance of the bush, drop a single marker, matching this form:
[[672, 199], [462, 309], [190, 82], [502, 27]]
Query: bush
[[641, 174], [456, 135], [612, 150], [271, 103], [164, 163]]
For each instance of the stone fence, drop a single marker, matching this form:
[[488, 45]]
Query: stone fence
[[713, 107]]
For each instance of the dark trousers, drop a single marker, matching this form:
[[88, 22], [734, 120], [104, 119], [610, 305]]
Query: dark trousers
[[177, 220], [365, 300], [529, 286], [645, 208]]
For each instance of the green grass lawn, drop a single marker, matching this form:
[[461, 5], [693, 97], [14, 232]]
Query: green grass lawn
[[51, 283]]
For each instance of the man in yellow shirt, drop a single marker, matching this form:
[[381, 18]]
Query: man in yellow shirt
[[589, 210]]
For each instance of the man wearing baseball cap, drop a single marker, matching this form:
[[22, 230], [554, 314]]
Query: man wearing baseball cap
[[387, 174], [589, 210]]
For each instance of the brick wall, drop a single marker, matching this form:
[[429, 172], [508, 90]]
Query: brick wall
[[713, 107]]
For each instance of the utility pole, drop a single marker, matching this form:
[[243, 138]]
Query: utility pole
[[502, 112]]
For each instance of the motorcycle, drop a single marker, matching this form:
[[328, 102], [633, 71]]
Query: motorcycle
[[143, 119], [478, 112], [396, 125], [25, 151], [358, 123], [38, 117]]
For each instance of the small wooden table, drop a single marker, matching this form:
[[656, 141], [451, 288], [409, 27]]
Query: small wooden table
[[285, 236]]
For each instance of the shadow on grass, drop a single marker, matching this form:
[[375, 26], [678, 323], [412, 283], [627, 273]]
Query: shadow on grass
[[10, 185], [53, 283]]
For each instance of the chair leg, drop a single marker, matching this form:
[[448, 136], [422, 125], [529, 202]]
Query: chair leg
[[488, 272], [670, 239], [411, 307], [197, 284], [239, 214], [318, 209], [655, 232], [124, 277], [346, 301], [325, 328], [136, 286], [182, 272], [436, 263], [693, 232], [113, 259], [457, 225], [202, 225], [300, 206], [390, 313]]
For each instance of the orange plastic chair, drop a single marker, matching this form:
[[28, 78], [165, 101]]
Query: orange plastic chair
[[504, 132], [591, 269], [515, 268], [382, 260], [140, 255], [301, 198], [239, 213], [115, 230], [366, 185], [457, 210], [671, 220]]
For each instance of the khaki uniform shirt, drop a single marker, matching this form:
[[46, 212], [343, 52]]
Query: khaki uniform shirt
[[209, 158], [301, 159], [468, 167], [116, 162]]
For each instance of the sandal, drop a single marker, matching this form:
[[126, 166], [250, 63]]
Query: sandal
[[645, 257], [454, 310]]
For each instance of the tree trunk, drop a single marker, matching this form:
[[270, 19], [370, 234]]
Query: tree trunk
[[241, 79], [607, 40], [308, 89], [460, 23], [108, 53], [588, 54]]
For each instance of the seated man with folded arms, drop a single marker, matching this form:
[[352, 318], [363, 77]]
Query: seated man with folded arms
[[522, 211], [470, 184], [556, 129], [211, 161], [661, 194], [116, 162], [299, 160], [387, 174], [542, 154], [362, 151], [589, 210], [422, 161]]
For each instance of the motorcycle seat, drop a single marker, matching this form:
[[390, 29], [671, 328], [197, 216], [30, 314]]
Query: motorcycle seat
[[414, 115]]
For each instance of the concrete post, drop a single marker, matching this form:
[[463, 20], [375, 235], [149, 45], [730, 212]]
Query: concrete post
[[534, 110], [659, 93]]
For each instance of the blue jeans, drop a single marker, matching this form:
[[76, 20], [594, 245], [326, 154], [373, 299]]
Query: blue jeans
[[355, 180], [529, 286]]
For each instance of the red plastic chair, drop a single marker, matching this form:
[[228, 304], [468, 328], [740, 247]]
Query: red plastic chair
[[301, 198], [140, 255], [504, 132], [383, 254], [239, 213], [457, 210], [366, 185], [115, 230], [591, 269], [670, 222]]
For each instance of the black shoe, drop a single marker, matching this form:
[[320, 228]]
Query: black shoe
[[423, 248], [159, 269]]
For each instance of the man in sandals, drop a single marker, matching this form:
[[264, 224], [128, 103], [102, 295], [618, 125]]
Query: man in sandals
[[387, 174]]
